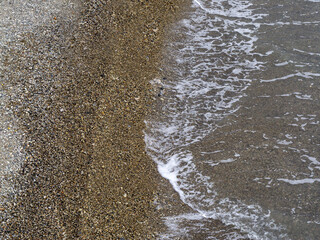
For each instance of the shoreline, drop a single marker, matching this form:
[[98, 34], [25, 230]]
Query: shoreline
[[81, 103], [178, 218]]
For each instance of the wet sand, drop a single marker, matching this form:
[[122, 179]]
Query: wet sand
[[78, 90]]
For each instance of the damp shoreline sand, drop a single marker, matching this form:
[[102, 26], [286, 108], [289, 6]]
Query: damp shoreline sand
[[78, 88]]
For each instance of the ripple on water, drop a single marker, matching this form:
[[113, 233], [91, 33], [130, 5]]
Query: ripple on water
[[238, 135]]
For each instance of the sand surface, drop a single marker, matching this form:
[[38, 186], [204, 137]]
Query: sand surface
[[75, 86]]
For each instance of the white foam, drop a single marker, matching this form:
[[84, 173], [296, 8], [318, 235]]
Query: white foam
[[313, 160], [306, 75], [300, 181], [308, 53], [210, 79], [229, 160], [281, 64], [304, 96], [284, 142], [293, 23]]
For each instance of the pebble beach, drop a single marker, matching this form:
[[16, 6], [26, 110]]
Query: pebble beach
[[75, 91]]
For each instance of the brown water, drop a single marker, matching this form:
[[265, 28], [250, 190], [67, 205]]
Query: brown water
[[238, 135]]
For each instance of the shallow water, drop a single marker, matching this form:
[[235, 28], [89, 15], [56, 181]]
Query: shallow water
[[238, 134]]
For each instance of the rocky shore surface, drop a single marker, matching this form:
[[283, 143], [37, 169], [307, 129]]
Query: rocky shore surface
[[75, 90]]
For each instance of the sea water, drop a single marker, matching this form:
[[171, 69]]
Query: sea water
[[238, 132]]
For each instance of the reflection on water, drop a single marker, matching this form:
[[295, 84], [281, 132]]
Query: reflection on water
[[238, 137]]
